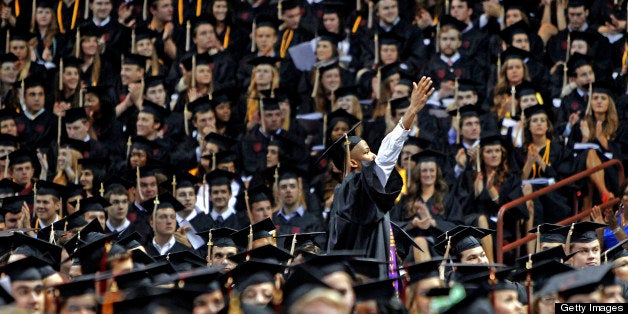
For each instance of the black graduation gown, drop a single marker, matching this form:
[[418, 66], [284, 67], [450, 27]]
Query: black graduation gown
[[236, 221], [39, 132], [201, 222], [463, 68], [359, 217], [297, 224], [444, 222], [177, 247], [252, 150], [474, 44], [571, 103], [140, 220], [238, 41]]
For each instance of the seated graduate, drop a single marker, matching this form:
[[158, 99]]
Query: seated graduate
[[359, 214]]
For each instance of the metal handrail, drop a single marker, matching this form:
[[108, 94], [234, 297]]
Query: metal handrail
[[502, 210]]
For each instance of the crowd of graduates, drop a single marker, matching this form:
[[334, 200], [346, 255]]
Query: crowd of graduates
[[310, 156]]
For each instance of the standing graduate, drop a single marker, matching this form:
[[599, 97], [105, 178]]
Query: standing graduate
[[359, 212]]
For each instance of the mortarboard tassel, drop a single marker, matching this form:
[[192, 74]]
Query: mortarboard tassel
[[369, 21], [187, 34], [174, 184], [61, 74], [193, 81], [261, 115], [566, 60], [6, 167], [246, 200], [133, 50], [249, 246], [76, 173], [568, 240], [137, 182], [186, 124], [447, 7], [199, 6], [276, 177], [17, 8], [8, 39], [155, 204], [528, 283], [180, 11], [210, 244], [51, 237], [253, 27], [145, 10], [324, 130], [81, 96], [347, 155], [33, 9], [499, 64], [538, 239], [478, 159], [513, 110], [589, 100], [376, 41], [378, 90], [316, 83], [213, 164], [59, 133], [358, 5], [129, 143], [86, 12], [436, 39], [102, 190], [77, 43], [279, 9]]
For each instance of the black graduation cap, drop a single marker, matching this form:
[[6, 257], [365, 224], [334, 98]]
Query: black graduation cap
[[260, 193], [528, 112], [540, 272], [331, 262], [98, 90], [29, 246], [49, 188], [67, 223], [326, 66], [183, 180], [221, 237], [333, 38], [480, 274], [94, 163], [617, 251], [492, 139], [254, 272], [576, 61], [338, 7], [221, 96], [389, 70], [143, 32], [91, 30], [467, 111], [375, 290], [269, 103], [301, 239], [260, 230], [549, 233], [21, 34], [556, 253], [203, 19], [391, 38], [183, 260], [7, 186], [131, 241], [78, 286], [201, 104], [140, 257], [582, 232], [74, 114], [94, 203], [583, 36], [466, 85], [428, 155], [29, 82], [166, 200], [160, 270], [152, 81], [203, 280], [336, 151], [7, 114], [300, 282], [156, 110], [290, 171], [467, 238], [288, 4], [422, 141], [514, 53], [603, 87], [581, 281], [266, 20], [508, 33], [453, 22], [80, 146], [129, 280], [223, 142], [346, 91], [8, 57], [423, 270], [144, 144], [134, 59], [72, 62], [524, 89], [366, 266], [399, 103], [515, 4], [201, 59], [26, 269], [577, 4], [269, 253], [220, 177]]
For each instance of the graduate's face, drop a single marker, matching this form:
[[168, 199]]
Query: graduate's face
[[70, 77], [34, 98], [148, 187], [162, 11], [43, 16], [22, 173], [13, 221], [259, 294], [92, 104], [538, 124], [400, 90], [579, 46], [99, 215], [187, 197], [28, 294], [8, 73], [588, 254], [260, 211], [156, 94], [599, 102], [475, 255], [339, 129], [621, 269], [461, 11], [528, 101], [77, 130], [144, 47], [5, 150], [513, 16], [449, 41], [613, 294], [164, 221], [138, 158], [387, 11], [577, 17], [324, 50], [548, 245], [345, 103], [46, 207], [205, 122], [223, 112], [421, 287], [515, 71], [8, 127], [84, 304], [331, 79], [289, 192], [272, 156], [87, 179], [292, 17], [427, 171], [263, 74], [89, 46], [272, 120], [506, 302], [342, 283], [492, 155], [219, 196], [521, 41], [209, 303], [220, 257], [331, 22], [203, 74], [119, 206], [146, 125], [361, 152], [101, 8], [19, 48], [470, 130], [220, 9], [467, 98], [265, 38], [406, 152], [388, 54], [131, 73], [584, 76]]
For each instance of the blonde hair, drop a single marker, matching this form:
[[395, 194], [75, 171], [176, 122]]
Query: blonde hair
[[502, 88], [610, 123], [61, 177], [252, 102], [51, 31], [95, 64]]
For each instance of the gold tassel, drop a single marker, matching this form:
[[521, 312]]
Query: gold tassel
[[129, 143], [77, 42], [193, 82], [478, 159], [186, 124], [261, 115], [145, 11], [253, 27], [199, 6], [8, 39], [133, 50], [376, 40], [279, 9], [86, 11], [369, 20], [567, 55], [188, 26], [324, 130], [102, 190], [316, 83], [589, 100], [568, 241], [180, 11], [174, 184], [61, 74], [378, 91], [6, 167], [137, 183], [513, 110], [447, 7], [347, 155]]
